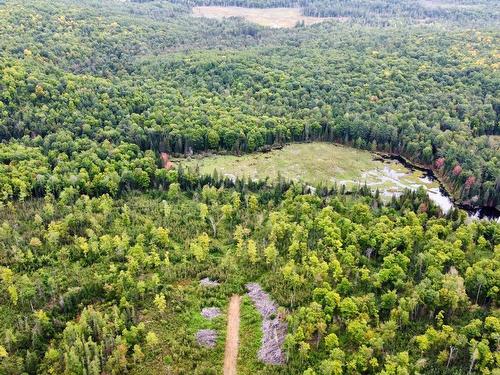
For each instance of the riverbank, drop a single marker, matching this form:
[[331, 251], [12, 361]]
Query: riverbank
[[473, 210]]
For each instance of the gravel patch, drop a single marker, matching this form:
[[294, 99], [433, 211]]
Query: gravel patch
[[210, 312], [206, 337], [274, 329]]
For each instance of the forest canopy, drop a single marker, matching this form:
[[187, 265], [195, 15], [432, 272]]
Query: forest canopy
[[102, 246]]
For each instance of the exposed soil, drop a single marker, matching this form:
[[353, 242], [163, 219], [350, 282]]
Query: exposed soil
[[232, 336]]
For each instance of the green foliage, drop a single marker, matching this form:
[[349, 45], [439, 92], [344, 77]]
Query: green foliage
[[378, 13], [88, 121], [404, 305], [102, 248]]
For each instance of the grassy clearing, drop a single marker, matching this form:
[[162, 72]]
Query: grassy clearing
[[315, 163], [270, 17], [311, 162], [177, 351]]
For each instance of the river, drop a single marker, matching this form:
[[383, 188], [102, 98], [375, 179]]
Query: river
[[439, 195], [329, 163]]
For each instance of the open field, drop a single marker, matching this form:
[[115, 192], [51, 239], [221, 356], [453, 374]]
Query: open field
[[323, 163], [316, 163], [270, 17]]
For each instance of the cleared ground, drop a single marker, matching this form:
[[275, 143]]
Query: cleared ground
[[232, 336], [326, 163], [270, 17]]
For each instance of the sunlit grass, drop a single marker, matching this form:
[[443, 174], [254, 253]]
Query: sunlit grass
[[314, 163], [270, 17]]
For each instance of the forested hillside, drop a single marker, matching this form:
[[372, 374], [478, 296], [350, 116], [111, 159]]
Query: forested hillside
[[102, 247], [153, 77], [102, 285]]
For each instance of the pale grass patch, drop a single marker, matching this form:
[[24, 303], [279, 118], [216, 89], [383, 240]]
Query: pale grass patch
[[270, 17]]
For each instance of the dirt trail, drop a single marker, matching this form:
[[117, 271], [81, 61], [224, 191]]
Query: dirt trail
[[232, 336]]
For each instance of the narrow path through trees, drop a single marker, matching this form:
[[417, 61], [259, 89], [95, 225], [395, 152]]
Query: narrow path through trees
[[232, 336]]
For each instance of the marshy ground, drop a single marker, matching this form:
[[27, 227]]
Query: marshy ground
[[270, 17], [316, 163]]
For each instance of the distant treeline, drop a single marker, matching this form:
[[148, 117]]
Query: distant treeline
[[102, 248], [375, 11]]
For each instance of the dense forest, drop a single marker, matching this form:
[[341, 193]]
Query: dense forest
[[156, 78], [103, 285], [102, 248]]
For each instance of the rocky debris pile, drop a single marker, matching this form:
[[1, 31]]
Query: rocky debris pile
[[210, 312], [208, 283], [261, 300], [273, 327], [271, 351], [206, 337]]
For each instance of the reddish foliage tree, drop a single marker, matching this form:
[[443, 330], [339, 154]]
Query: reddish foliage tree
[[423, 207], [165, 160], [457, 170], [439, 163], [471, 180]]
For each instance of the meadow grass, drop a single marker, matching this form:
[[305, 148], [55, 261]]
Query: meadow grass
[[313, 163], [270, 17], [250, 339]]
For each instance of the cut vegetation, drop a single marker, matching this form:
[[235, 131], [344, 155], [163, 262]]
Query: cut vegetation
[[274, 327]]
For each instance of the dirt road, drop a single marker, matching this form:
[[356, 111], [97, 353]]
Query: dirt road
[[232, 336]]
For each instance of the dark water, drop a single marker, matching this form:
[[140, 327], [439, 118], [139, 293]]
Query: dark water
[[441, 197]]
